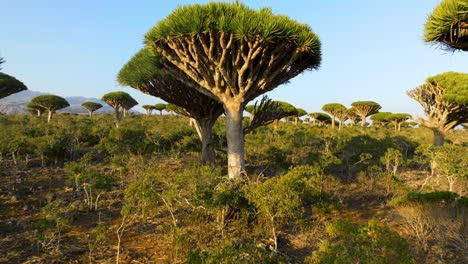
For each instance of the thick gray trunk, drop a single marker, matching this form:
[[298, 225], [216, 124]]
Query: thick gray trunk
[[438, 137], [90, 113], [205, 128], [235, 140]]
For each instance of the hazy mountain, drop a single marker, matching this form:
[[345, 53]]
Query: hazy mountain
[[16, 103]]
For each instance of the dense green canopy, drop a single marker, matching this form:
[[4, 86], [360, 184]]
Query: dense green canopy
[[152, 107], [448, 25], [160, 106], [381, 117], [117, 99], [145, 73], [91, 106], [455, 85], [50, 102], [235, 18], [321, 117], [10, 85]]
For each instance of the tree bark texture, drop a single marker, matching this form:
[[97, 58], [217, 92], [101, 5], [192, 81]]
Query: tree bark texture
[[206, 136], [439, 137], [235, 140], [117, 117], [49, 117]]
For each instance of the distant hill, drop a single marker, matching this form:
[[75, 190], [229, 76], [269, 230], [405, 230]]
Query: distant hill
[[16, 103]]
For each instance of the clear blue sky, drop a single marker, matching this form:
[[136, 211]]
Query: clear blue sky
[[372, 49]]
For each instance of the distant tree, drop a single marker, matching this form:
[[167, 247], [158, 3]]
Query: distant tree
[[10, 85], [365, 109], [267, 112], [31, 111], [127, 105], [380, 119], [397, 119], [335, 110], [117, 100], [320, 119], [300, 112], [91, 107], [353, 116], [149, 109], [235, 54], [39, 109], [444, 99], [448, 25], [160, 107], [145, 73], [51, 103]]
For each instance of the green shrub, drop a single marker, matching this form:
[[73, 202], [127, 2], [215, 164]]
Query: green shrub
[[432, 197], [367, 243], [231, 253]]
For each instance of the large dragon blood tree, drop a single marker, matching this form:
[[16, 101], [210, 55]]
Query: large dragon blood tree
[[234, 54], [444, 99], [145, 73], [91, 107], [364, 109]]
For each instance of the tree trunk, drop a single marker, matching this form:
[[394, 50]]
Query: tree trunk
[[295, 120], [117, 117], [49, 117], [399, 127], [38, 112], [124, 111], [363, 122], [160, 112], [148, 112], [438, 137], [235, 139], [205, 128], [333, 121], [90, 113]]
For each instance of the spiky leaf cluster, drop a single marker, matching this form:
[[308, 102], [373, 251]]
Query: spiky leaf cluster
[[1, 62], [268, 111], [10, 85], [455, 85], [232, 51], [334, 108], [398, 117], [448, 25], [145, 73], [118, 99], [91, 106], [50, 102], [235, 18]]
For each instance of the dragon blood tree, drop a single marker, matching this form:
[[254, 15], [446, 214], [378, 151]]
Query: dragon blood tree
[[336, 111], [319, 119], [234, 54], [380, 119], [91, 107], [39, 109], [160, 107], [145, 73], [364, 109], [353, 116], [448, 25], [149, 109], [397, 119], [444, 99], [117, 100], [50, 102], [300, 112], [267, 112], [127, 105], [10, 85]]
